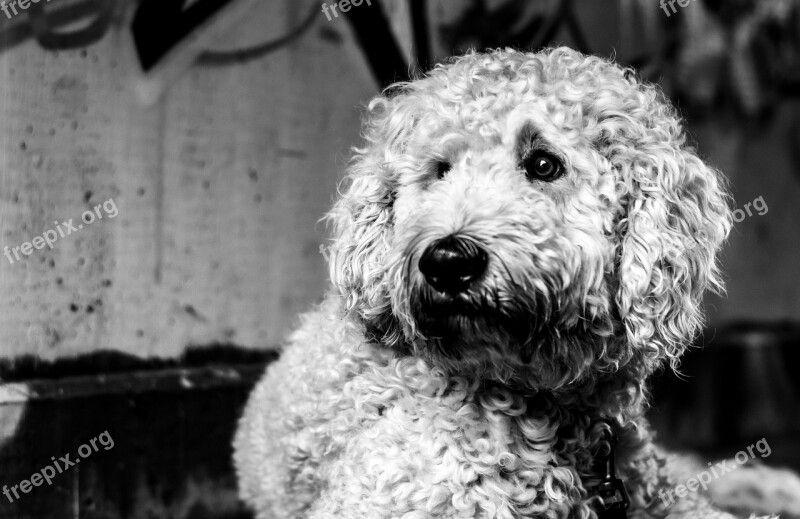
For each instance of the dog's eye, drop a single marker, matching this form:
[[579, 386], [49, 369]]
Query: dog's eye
[[442, 167], [541, 165]]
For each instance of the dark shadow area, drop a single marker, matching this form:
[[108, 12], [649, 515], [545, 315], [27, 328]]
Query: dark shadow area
[[735, 390], [171, 450]]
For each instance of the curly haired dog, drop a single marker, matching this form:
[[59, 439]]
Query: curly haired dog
[[522, 240]]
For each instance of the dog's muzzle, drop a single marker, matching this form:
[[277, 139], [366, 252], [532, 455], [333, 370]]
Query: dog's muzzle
[[452, 264]]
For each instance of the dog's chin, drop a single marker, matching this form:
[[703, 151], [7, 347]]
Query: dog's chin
[[468, 335], [466, 326]]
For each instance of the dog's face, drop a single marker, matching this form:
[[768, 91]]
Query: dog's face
[[533, 218], [503, 237]]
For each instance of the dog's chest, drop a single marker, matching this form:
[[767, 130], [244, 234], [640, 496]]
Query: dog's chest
[[451, 448]]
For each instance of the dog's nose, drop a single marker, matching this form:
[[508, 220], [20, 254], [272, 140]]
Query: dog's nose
[[452, 263]]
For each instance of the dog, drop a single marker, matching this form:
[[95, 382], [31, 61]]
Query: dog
[[521, 240]]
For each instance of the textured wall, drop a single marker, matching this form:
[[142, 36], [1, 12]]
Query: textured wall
[[218, 189]]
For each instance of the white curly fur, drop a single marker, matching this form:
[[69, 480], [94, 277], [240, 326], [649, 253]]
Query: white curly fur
[[379, 409]]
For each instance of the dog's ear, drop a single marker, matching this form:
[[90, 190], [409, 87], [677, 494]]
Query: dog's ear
[[362, 218], [676, 217]]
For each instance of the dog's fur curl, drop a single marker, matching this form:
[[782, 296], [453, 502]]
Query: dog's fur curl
[[394, 400]]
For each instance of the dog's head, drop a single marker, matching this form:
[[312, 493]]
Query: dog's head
[[536, 218]]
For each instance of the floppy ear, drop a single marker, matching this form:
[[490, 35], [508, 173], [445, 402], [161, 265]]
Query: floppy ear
[[677, 217], [362, 217]]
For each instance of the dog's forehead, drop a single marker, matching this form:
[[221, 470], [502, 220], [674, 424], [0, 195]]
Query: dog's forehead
[[539, 117], [490, 121], [493, 97]]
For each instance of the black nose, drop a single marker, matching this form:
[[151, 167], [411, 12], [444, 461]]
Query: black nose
[[452, 263]]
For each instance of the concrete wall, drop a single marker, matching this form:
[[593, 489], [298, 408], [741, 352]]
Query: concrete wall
[[218, 189]]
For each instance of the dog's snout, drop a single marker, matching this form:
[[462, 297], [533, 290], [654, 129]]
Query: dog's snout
[[452, 263]]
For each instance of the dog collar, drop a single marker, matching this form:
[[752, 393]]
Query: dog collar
[[612, 497]]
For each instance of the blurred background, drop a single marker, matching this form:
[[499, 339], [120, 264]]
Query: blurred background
[[218, 129]]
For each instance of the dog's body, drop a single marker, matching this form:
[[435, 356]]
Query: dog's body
[[342, 428], [523, 240]]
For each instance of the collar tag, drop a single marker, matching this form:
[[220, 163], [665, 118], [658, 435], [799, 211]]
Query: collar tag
[[613, 497]]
